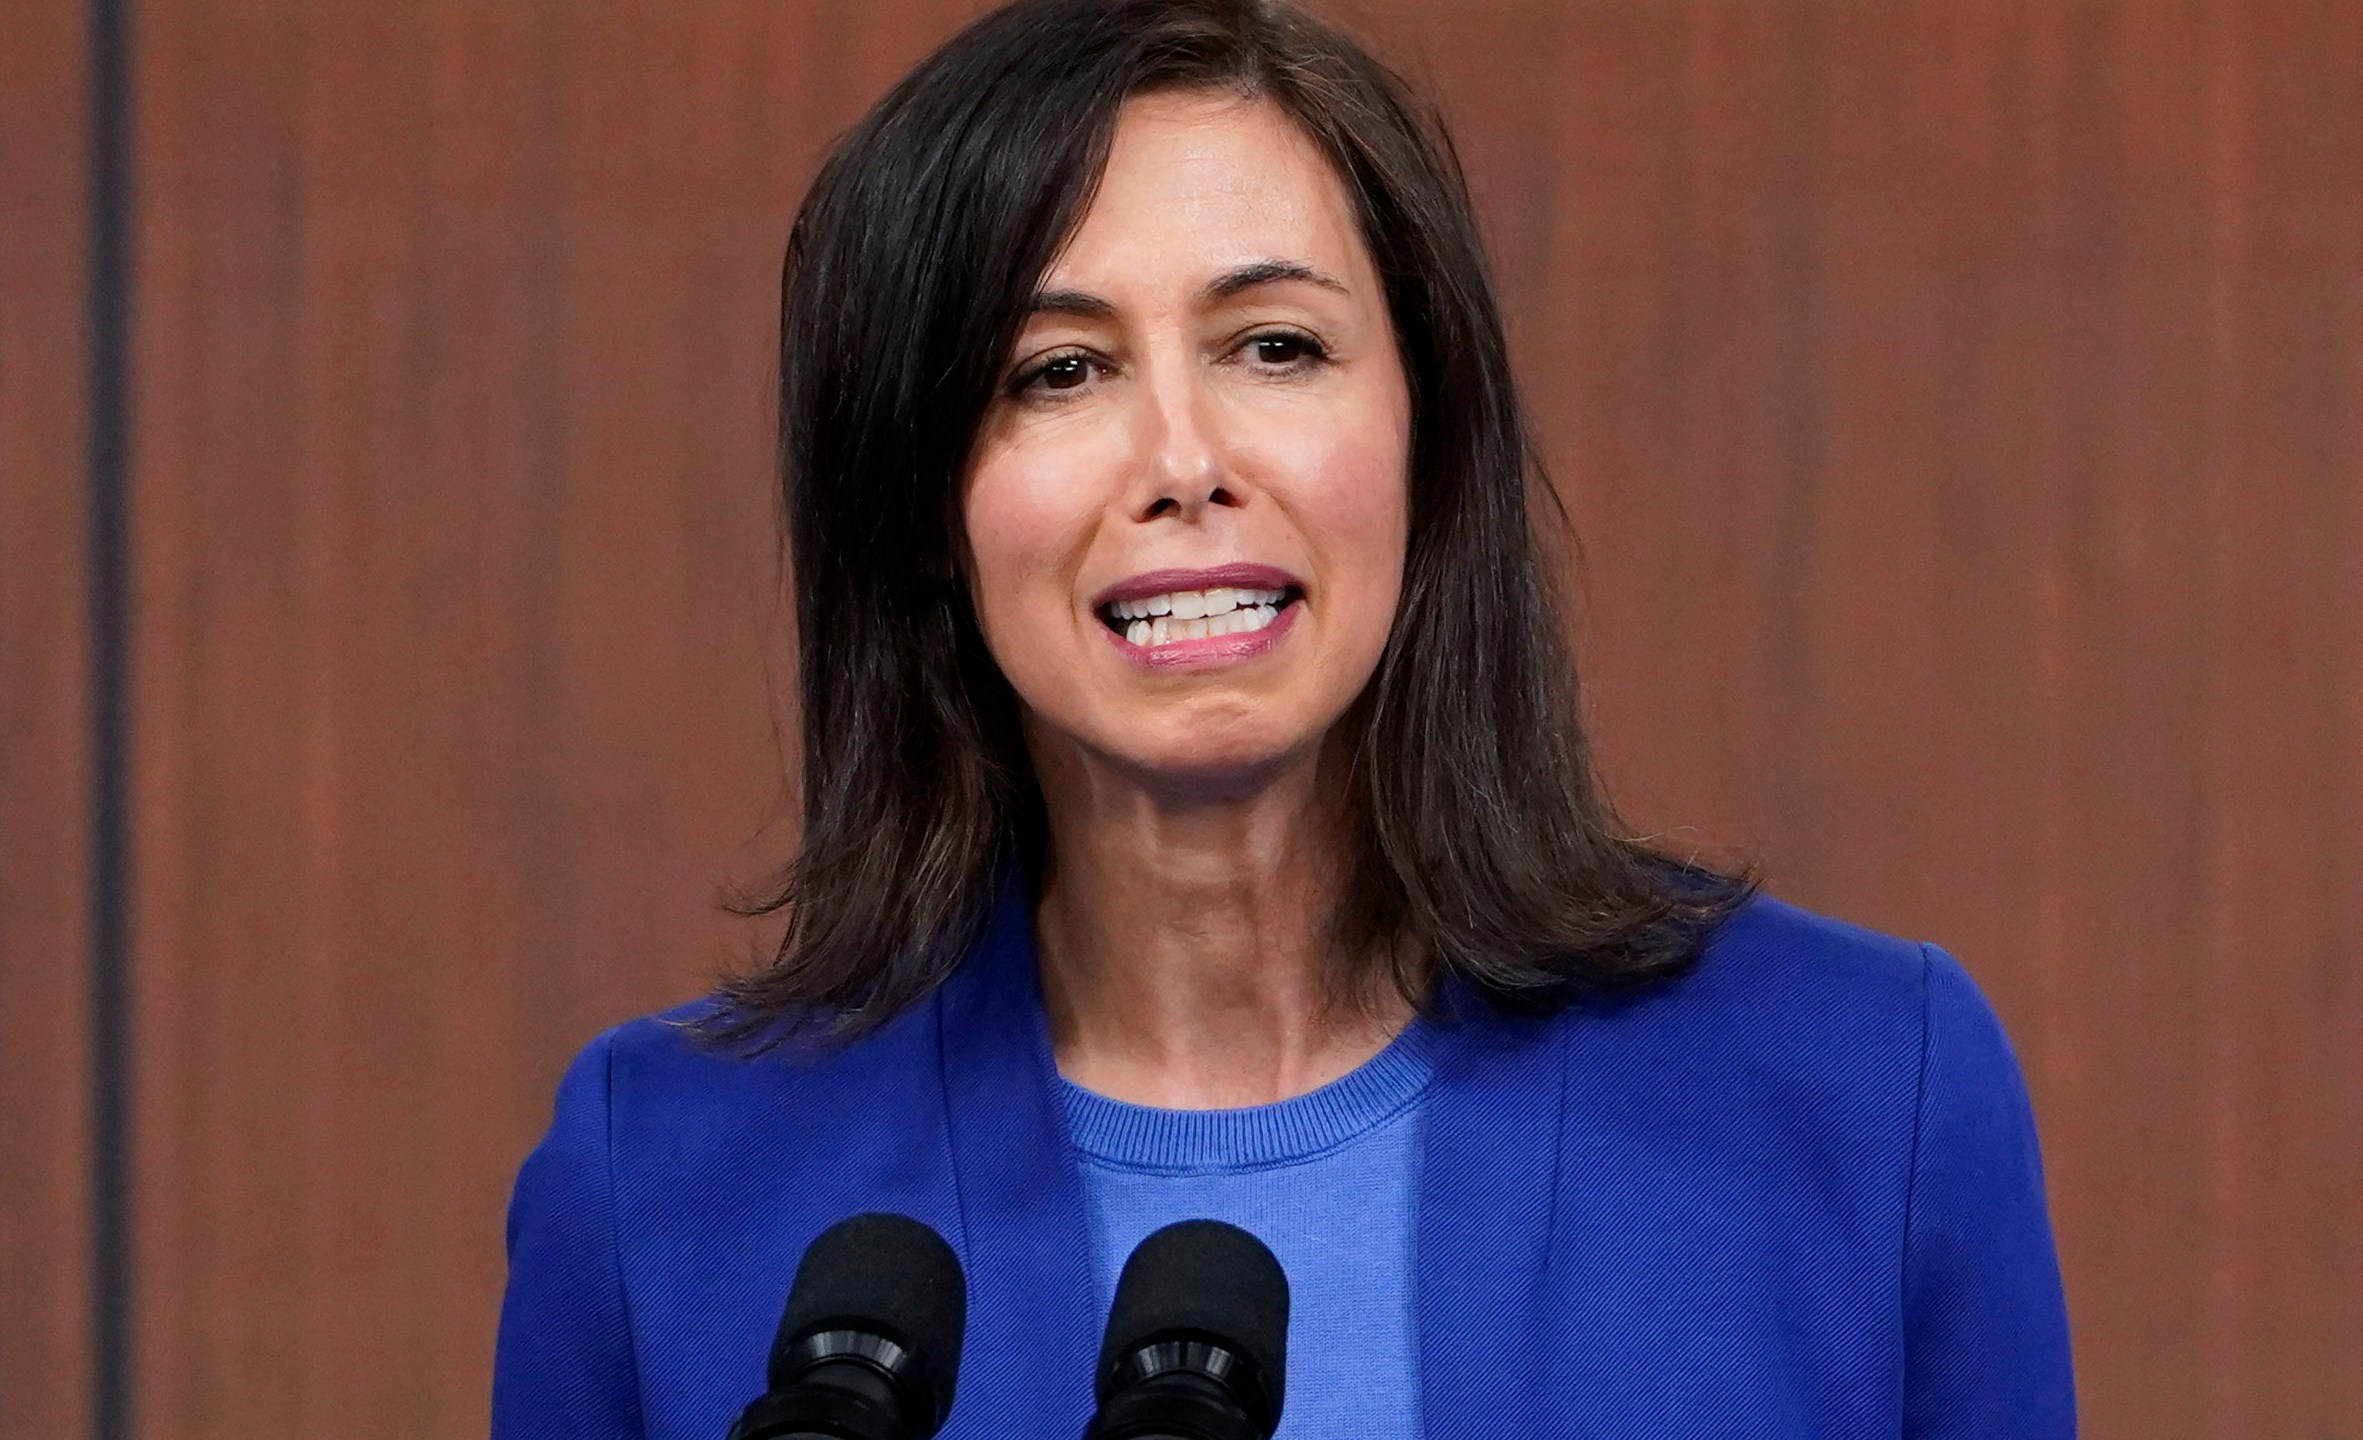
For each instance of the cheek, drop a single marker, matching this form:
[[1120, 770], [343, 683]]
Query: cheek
[[1015, 524], [1028, 524], [1355, 508]]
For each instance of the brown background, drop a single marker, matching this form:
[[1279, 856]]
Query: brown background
[[1960, 403]]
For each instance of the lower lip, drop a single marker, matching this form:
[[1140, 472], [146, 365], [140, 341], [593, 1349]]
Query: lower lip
[[1211, 652]]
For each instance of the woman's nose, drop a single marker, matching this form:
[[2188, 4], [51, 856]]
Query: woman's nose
[[1182, 466]]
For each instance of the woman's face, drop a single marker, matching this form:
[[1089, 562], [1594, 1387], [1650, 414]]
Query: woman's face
[[1186, 507]]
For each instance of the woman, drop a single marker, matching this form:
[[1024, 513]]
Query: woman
[[1196, 823]]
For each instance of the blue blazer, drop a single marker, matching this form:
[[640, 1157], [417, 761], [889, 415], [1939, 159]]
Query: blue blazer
[[1794, 1193]]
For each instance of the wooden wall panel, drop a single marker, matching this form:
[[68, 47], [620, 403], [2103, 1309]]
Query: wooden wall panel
[[1957, 404], [1957, 401], [457, 580], [45, 1279]]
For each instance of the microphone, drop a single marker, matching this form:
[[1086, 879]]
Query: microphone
[[870, 1343], [1197, 1341]]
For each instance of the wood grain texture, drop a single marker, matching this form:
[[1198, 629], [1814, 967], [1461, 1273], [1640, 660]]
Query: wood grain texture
[[1951, 398], [1958, 403], [45, 1312], [456, 584]]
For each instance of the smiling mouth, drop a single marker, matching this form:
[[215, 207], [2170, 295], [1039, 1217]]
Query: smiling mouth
[[1154, 620]]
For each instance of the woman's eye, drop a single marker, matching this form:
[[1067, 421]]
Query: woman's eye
[[1059, 372], [1064, 373], [1282, 349]]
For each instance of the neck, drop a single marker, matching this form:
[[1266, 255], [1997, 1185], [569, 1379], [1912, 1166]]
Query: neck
[[1185, 941]]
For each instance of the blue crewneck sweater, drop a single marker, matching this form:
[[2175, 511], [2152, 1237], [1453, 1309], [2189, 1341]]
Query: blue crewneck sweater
[[1329, 1180]]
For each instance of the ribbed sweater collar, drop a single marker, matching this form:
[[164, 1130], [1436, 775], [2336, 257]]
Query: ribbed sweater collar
[[1147, 1138]]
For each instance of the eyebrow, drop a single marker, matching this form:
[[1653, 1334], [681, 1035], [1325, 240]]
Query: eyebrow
[[1084, 305], [1266, 272]]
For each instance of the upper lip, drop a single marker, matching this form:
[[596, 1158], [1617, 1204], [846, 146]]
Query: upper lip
[[1241, 576]]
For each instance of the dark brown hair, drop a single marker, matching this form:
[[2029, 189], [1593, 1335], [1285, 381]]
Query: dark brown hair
[[1484, 846]]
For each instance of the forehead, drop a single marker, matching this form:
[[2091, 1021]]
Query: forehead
[[1198, 182]]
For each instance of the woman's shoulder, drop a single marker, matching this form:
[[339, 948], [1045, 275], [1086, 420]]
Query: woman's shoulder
[[1770, 945], [1777, 967], [1791, 1004], [658, 1078]]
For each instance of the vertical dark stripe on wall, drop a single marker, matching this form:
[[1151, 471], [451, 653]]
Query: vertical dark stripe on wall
[[109, 565]]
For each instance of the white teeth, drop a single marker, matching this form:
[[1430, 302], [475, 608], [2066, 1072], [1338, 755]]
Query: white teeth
[[1165, 629], [1193, 614]]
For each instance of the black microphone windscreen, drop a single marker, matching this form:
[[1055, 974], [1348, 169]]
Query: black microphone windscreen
[[887, 1274], [1206, 1278]]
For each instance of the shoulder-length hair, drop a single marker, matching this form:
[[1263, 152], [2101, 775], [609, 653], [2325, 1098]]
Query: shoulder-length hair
[[1481, 844]]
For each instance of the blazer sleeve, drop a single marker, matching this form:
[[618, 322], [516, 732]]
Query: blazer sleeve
[[1985, 1321], [563, 1365]]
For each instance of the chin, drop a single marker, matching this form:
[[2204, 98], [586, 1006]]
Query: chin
[[1194, 768]]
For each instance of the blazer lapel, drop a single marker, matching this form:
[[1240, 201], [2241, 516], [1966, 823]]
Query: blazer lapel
[[1033, 1336], [1487, 1182]]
